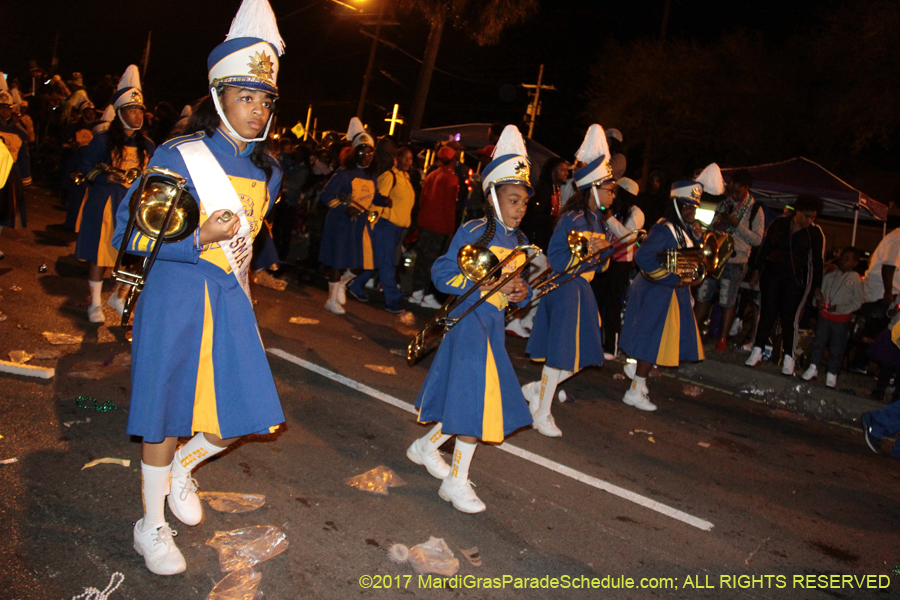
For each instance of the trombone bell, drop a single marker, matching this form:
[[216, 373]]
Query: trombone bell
[[475, 262], [152, 207]]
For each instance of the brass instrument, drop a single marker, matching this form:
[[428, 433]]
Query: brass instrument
[[580, 245], [692, 265], [349, 202], [117, 175], [482, 267], [163, 211]]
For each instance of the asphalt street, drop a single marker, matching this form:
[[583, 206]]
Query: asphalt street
[[714, 496]]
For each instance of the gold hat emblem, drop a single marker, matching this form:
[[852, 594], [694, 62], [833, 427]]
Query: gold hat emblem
[[261, 66], [522, 170]]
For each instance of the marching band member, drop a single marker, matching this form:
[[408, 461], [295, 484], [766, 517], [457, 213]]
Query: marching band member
[[77, 137], [566, 332], [12, 190], [659, 326], [347, 236], [124, 146], [471, 390], [198, 365]]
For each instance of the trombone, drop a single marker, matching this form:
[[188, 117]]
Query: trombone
[[118, 175], [349, 202], [693, 265], [162, 210], [482, 267], [579, 243]]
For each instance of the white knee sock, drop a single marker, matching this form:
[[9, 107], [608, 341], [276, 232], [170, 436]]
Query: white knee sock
[[639, 384], [193, 453], [96, 288], [434, 439], [154, 489], [333, 290], [550, 379], [462, 458]]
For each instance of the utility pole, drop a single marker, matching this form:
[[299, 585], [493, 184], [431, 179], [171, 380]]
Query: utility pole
[[534, 109], [368, 76]]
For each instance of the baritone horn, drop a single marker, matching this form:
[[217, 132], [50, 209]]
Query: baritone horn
[[482, 267], [163, 211], [692, 265], [580, 245]]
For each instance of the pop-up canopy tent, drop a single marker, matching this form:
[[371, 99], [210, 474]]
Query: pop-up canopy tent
[[779, 184], [474, 136]]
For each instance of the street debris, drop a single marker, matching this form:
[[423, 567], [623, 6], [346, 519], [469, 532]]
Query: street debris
[[246, 547], [42, 268], [703, 444], [563, 396], [9, 461], [239, 585], [47, 354], [358, 338], [691, 390], [407, 318], [433, 556], [399, 352], [231, 502], [377, 481], [380, 369], [111, 461], [20, 357], [472, 555], [15, 288], [619, 376], [2, 317], [70, 423], [91, 403], [303, 321], [92, 593], [97, 370], [27, 370], [61, 339]]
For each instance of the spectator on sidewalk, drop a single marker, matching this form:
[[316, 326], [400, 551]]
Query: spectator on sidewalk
[[436, 223], [790, 262], [841, 296]]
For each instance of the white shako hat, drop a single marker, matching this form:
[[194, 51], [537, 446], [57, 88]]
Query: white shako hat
[[594, 152], [128, 92], [103, 124], [6, 98], [711, 180], [248, 58], [357, 135], [80, 101], [687, 192], [510, 164]]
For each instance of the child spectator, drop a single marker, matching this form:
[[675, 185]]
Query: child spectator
[[841, 295]]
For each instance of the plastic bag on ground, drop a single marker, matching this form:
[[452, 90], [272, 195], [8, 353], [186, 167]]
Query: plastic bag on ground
[[377, 481], [242, 584], [249, 546], [62, 338], [433, 556], [230, 502]]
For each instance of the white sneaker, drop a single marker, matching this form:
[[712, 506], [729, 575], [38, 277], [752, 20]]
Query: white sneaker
[[736, 327], [830, 380], [430, 301], [638, 399], [433, 461], [370, 284], [183, 500], [547, 426], [95, 313], [609, 356], [532, 393], [516, 328], [460, 493], [158, 548], [811, 373], [335, 307], [416, 297], [117, 304], [755, 357], [788, 365]]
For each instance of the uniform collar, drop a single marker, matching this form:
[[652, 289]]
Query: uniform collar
[[223, 141]]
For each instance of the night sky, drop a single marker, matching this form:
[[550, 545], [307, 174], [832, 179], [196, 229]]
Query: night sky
[[326, 53]]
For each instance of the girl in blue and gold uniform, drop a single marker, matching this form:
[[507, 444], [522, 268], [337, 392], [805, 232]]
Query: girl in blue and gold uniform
[[347, 238], [659, 326], [566, 331], [124, 146], [471, 389], [15, 140], [198, 365]]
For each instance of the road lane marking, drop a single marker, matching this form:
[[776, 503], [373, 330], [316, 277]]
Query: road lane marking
[[537, 459]]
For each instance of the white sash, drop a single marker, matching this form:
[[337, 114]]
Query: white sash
[[216, 192]]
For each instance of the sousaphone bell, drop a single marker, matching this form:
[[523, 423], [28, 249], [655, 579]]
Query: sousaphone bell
[[163, 211]]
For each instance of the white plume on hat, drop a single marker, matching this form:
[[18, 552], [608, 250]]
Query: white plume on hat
[[357, 135], [510, 142], [103, 124], [711, 180], [255, 19], [131, 78], [3, 86], [594, 145]]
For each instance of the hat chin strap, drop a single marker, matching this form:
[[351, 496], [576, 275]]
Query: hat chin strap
[[496, 204], [597, 198], [124, 124], [221, 113], [678, 212]]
